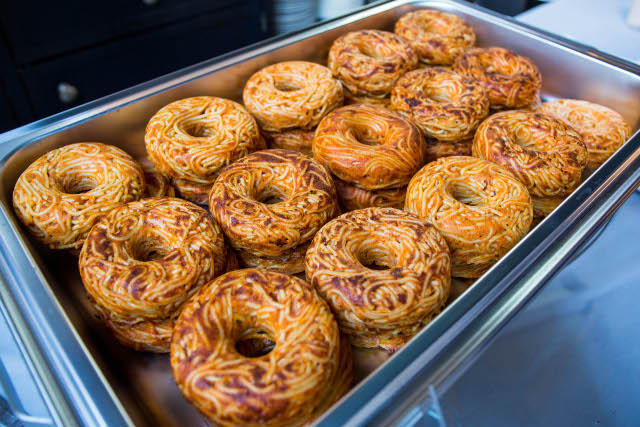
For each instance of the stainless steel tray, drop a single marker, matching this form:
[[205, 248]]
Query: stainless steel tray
[[89, 379]]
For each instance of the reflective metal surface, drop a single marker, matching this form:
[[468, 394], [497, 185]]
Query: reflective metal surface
[[89, 379]]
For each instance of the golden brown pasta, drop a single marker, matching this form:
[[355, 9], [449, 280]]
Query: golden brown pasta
[[511, 80], [292, 139], [60, 196], [437, 37], [352, 198], [369, 62], [158, 185], [543, 152], [445, 106], [602, 129], [193, 139], [273, 201], [195, 192], [306, 369], [380, 307], [369, 146], [290, 262], [543, 206], [438, 149], [478, 206], [293, 94], [143, 261]]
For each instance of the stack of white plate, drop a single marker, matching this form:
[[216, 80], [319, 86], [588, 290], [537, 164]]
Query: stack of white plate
[[290, 15]]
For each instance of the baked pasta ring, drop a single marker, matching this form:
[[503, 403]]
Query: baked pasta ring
[[293, 94], [369, 62], [273, 201], [61, 195], [352, 198], [478, 206], [193, 139], [511, 80], [369, 146], [195, 192], [307, 370], [380, 308], [158, 185], [445, 105], [543, 152], [602, 129], [438, 149], [144, 260], [437, 37], [292, 139], [543, 206], [291, 262]]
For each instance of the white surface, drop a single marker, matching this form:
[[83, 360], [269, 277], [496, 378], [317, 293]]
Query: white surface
[[598, 23]]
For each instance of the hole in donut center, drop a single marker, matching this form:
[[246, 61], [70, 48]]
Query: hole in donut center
[[149, 250], [198, 130], [78, 184], [271, 196], [368, 50], [465, 194], [254, 344], [366, 136], [286, 85], [376, 259]]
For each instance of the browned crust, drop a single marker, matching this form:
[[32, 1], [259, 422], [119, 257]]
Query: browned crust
[[438, 149], [294, 94], [61, 195], [191, 191], [397, 149], [437, 37], [445, 106], [291, 139], [138, 297], [369, 62], [352, 198], [305, 188], [478, 206], [309, 368], [158, 185], [543, 152], [380, 308], [511, 80], [291, 262]]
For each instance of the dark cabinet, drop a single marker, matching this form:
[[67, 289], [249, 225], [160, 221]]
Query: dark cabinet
[[63, 54]]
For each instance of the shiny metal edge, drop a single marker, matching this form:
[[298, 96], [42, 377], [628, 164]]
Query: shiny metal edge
[[78, 392]]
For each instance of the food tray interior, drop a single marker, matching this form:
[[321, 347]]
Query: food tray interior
[[143, 381]]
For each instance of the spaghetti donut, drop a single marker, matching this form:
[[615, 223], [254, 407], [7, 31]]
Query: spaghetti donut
[[272, 201], [602, 129], [369, 146], [478, 206], [543, 152], [291, 262], [292, 139], [158, 185], [352, 198], [438, 149], [61, 195], [369, 62], [437, 37], [306, 368], [380, 308], [445, 105], [294, 94], [143, 261], [511, 80], [193, 139], [543, 206]]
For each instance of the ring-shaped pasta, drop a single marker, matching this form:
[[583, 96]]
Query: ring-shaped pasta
[[437, 37], [369, 146], [308, 366], [292, 139], [438, 149], [272, 201], [445, 106], [511, 80], [158, 185], [290, 262], [193, 139], [369, 62], [352, 198], [602, 129], [478, 206], [61, 195], [380, 307], [294, 94], [543, 152], [144, 260]]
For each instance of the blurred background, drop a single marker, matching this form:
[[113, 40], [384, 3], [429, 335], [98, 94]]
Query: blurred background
[[56, 55]]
